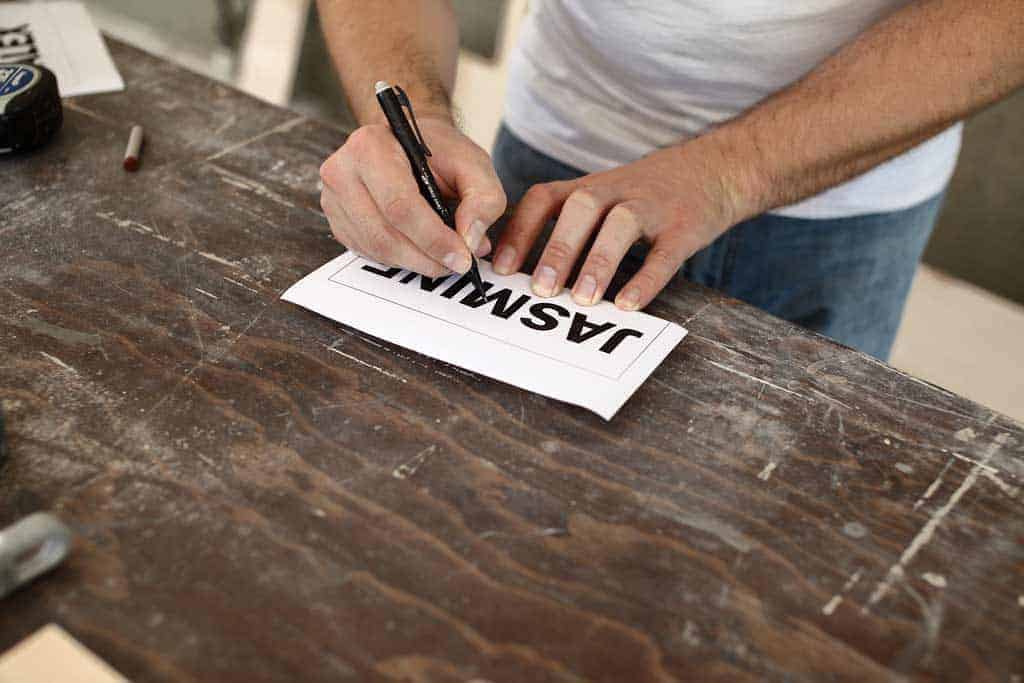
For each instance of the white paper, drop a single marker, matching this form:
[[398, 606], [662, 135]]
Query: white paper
[[61, 37], [594, 357]]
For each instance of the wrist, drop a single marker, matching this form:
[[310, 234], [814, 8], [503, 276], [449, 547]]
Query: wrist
[[733, 172], [427, 103], [423, 114], [448, 117]]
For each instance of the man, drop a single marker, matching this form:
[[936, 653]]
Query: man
[[790, 154]]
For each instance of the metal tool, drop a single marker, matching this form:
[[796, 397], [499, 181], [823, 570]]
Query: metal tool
[[30, 107], [31, 547]]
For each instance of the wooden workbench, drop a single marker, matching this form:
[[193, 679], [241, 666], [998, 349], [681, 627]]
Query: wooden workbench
[[251, 506]]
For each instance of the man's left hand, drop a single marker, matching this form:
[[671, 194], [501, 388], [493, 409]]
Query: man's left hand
[[677, 199]]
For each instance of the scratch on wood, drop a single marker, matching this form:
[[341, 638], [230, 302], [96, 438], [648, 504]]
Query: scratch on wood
[[58, 361], [988, 468], [316, 410], [142, 229], [203, 291], [933, 487], [406, 470], [281, 128], [365, 364], [195, 326], [831, 605], [409, 359], [207, 460], [830, 399], [677, 391], [937, 409], [368, 340], [758, 380], [1008, 489], [716, 344], [852, 581], [218, 259], [907, 376], [232, 120], [726, 533], [697, 314], [249, 185], [550, 531], [212, 358], [61, 334], [932, 618], [239, 284], [75, 106], [135, 226], [837, 599], [464, 373], [966, 435], [553, 531], [922, 538]]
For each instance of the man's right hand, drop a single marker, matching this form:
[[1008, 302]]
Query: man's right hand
[[375, 208]]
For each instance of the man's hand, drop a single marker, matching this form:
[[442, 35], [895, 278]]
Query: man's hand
[[675, 199], [375, 208]]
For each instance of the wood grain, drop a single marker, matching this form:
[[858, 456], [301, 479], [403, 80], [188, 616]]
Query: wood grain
[[250, 506]]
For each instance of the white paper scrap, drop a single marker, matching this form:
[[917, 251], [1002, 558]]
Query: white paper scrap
[[61, 37], [594, 357]]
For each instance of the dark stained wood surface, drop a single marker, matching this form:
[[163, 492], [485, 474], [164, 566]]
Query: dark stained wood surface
[[250, 506]]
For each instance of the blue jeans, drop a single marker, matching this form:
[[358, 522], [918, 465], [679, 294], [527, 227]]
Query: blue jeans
[[846, 278]]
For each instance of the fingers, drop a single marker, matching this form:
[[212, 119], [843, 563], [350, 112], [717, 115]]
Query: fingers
[[581, 214], [369, 176], [481, 197], [621, 229], [337, 219], [397, 196], [484, 249], [359, 225], [538, 205], [470, 175], [667, 254]]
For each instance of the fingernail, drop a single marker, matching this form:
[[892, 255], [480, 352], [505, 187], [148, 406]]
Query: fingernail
[[544, 281], [585, 290], [629, 299], [505, 260], [458, 263], [484, 249], [476, 232]]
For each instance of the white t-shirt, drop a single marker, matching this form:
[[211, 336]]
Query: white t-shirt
[[600, 83]]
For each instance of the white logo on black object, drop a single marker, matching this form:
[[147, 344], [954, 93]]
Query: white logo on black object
[[18, 45]]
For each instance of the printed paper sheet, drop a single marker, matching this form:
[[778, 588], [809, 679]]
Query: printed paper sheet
[[594, 357]]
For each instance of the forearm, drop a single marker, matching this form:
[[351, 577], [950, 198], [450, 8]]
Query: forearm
[[412, 43], [904, 80]]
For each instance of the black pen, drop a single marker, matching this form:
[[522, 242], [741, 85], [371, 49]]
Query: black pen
[[392, 99]]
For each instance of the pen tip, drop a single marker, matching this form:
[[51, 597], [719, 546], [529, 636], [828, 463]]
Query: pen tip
[[381, 86], [478, 283]]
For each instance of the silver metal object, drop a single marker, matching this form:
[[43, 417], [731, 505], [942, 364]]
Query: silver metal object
[[31, 547]]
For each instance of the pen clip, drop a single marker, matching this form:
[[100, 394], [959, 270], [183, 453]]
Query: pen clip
[[403, 100]]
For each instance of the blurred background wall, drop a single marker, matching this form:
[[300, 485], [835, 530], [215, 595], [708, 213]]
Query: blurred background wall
[[964, 324]]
